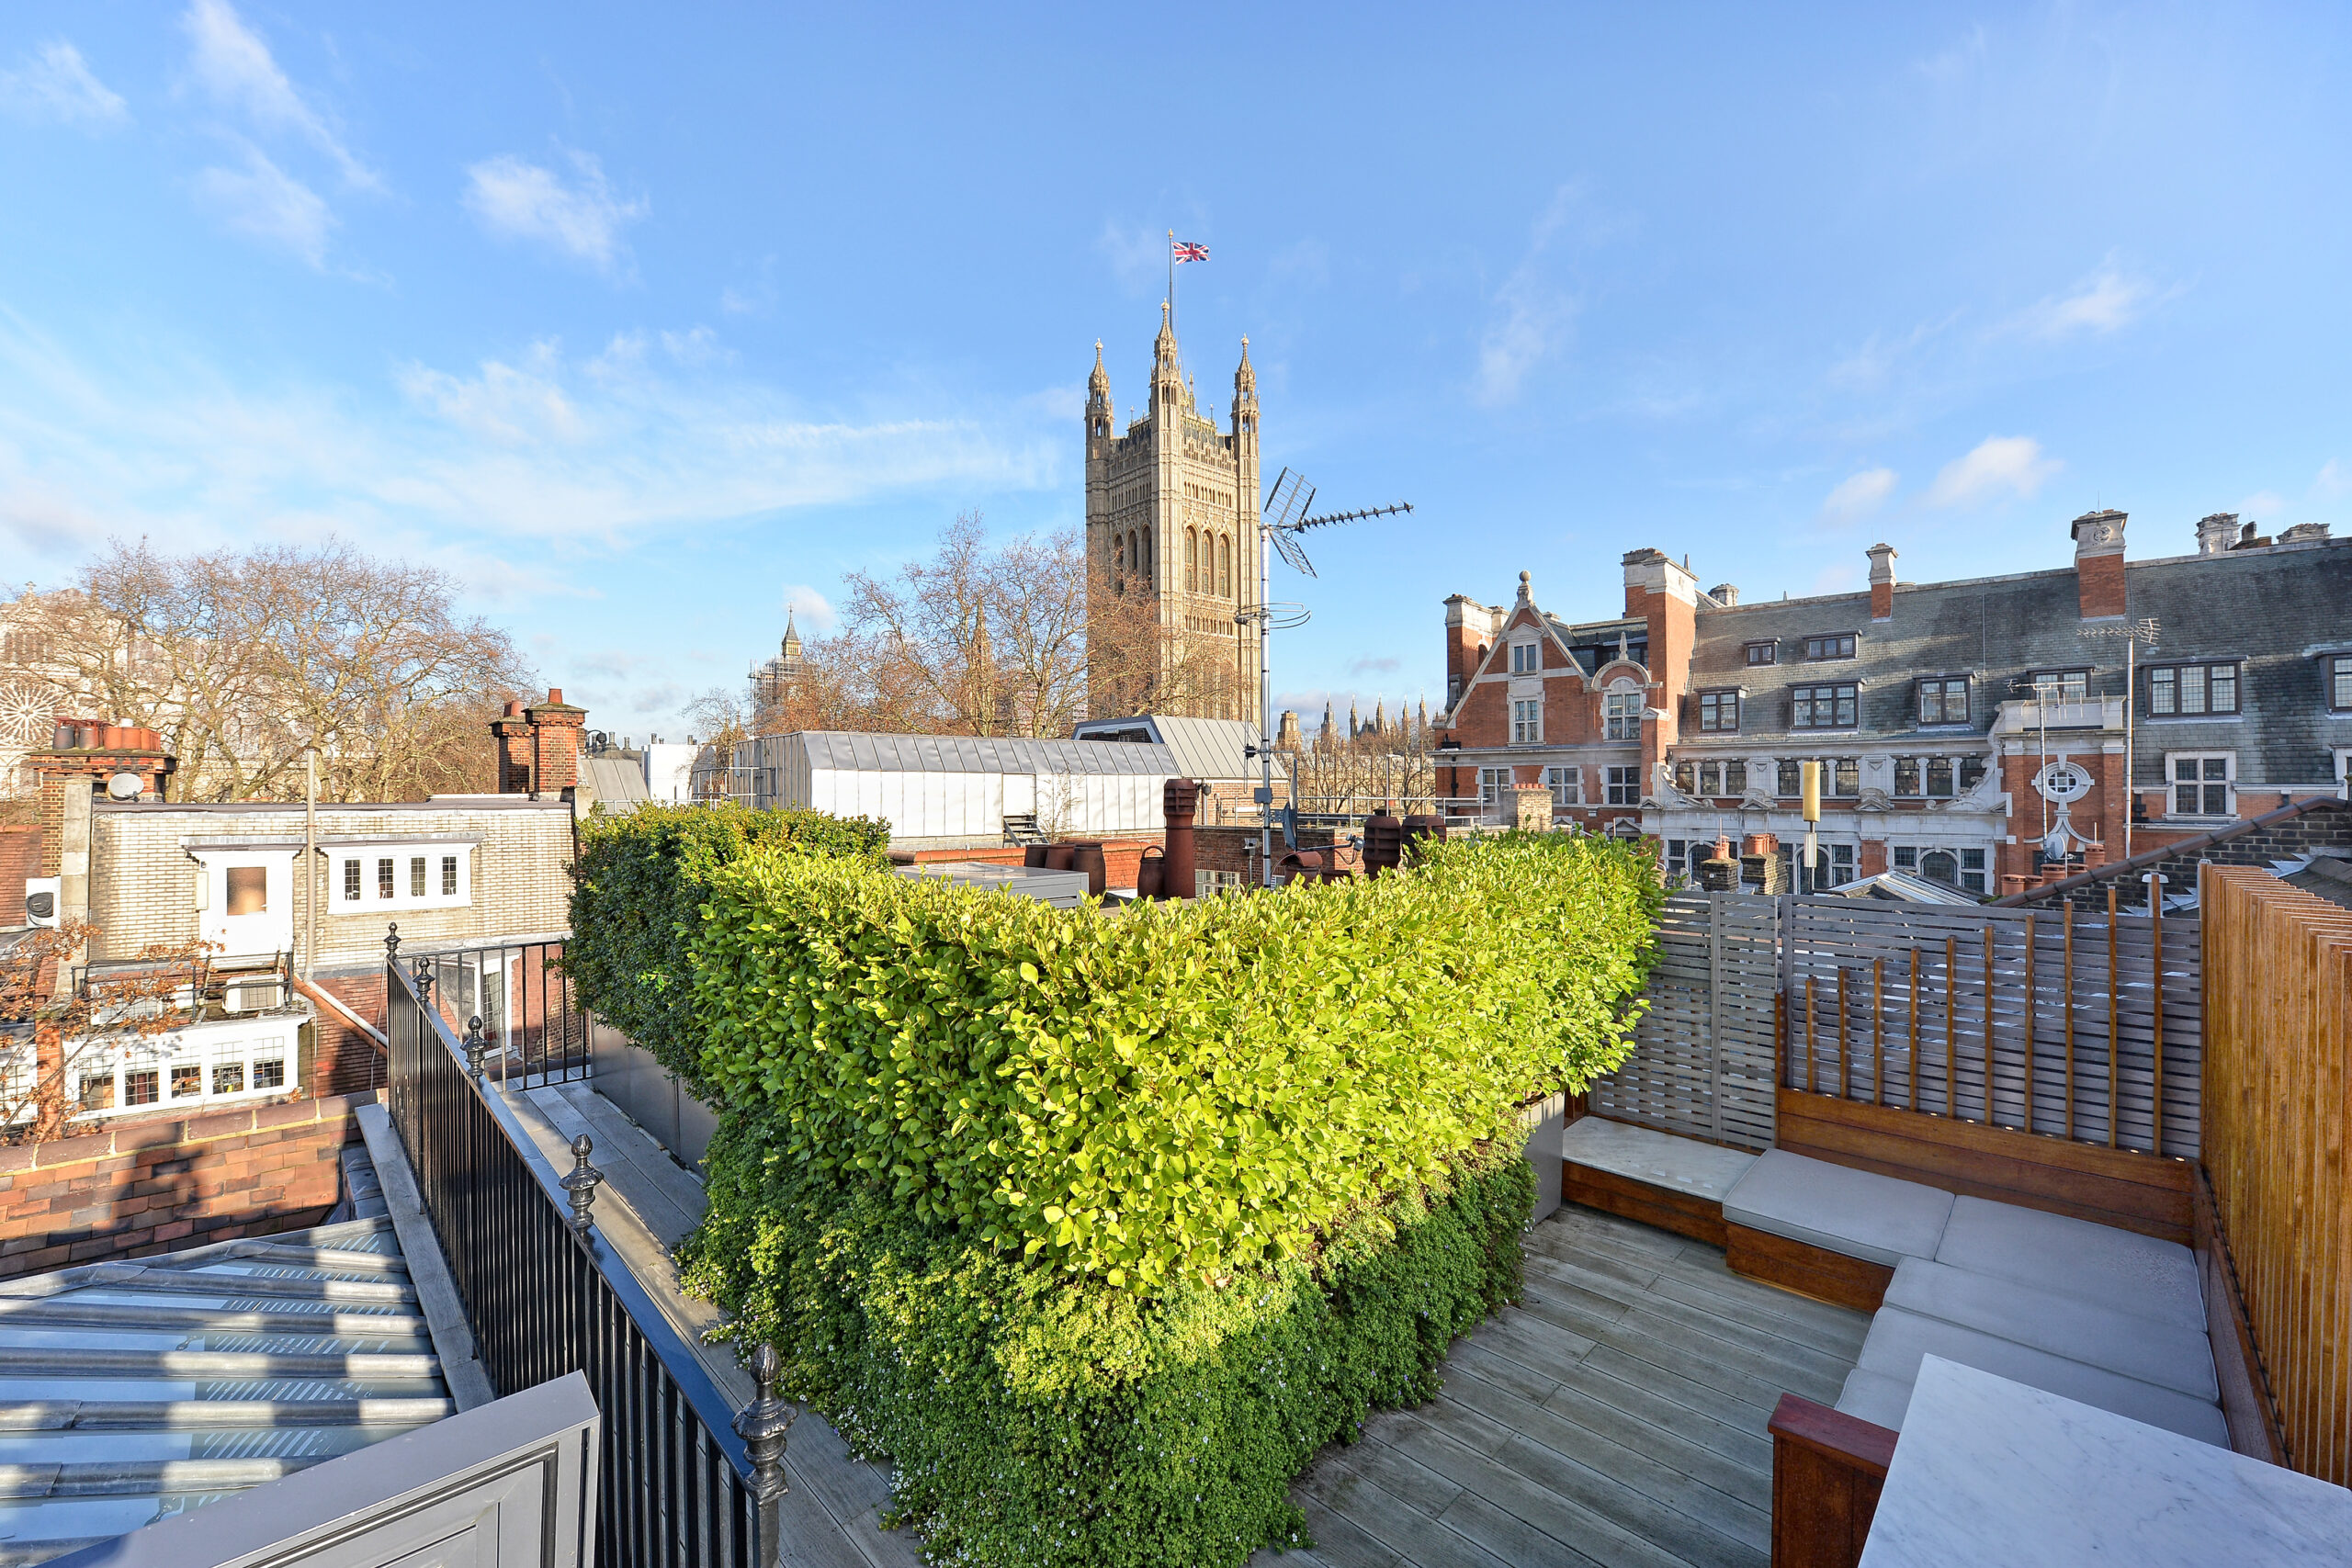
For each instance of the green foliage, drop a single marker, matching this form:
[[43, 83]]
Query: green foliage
[[1037, 1422], [637, 892], [1170, 1093]]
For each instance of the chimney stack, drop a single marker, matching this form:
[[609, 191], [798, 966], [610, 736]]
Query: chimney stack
[[538, 747], [1468, 624], [1725, 593], [1882, 581], [2216, 532], [2098, 563]]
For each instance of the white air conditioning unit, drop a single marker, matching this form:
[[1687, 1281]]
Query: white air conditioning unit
[[43, 895], [250, 996]]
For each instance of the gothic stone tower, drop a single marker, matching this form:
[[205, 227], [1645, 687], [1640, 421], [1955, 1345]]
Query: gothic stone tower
[[1172, 511]]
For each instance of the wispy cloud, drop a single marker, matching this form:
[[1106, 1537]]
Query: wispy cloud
[[582, 216], [236, 69], [522, 448], [1532, 317], [2333, 479], [1372, 665], [1999, 466], [1137, 253], [1858, 497], [812, 611], [54, 85], [263, 202], [2106, 301]]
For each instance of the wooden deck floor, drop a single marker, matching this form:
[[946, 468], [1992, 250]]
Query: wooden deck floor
[[1616, 1417]]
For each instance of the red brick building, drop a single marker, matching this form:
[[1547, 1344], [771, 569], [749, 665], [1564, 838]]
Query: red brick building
[[1981, 732]]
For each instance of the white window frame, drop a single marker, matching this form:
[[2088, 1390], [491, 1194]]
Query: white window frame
[[1622, 784], [1527, 721], [1567, 784], [368, 859], [208, 1049], [1621, 711], [1491, 783], [1526, 658], [2229, 783]]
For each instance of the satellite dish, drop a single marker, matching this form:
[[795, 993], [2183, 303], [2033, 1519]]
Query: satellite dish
[[125, 786]]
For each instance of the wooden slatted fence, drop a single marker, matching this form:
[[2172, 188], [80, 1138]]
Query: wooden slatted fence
[[1702, 1063], [2038, 1021], [2277, 1076]]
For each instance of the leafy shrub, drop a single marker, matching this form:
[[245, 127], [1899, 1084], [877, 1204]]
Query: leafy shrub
[[1045, 1423], [1172, 1092], [638, 891]]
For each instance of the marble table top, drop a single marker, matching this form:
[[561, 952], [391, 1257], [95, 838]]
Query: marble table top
[[1990, 1471], [1638, 1154]]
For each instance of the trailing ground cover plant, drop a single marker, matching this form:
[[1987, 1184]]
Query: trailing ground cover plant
[[1177, 1091], [638, 885]]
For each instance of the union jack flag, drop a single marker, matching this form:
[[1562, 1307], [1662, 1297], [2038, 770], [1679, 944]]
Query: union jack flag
[[1187, 251]]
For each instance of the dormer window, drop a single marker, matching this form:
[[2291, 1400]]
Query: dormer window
[[1943, 699], [1763, 653], [1834, 645], [1719, 711]]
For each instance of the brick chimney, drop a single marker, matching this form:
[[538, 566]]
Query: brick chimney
[[556, 727], [2098, 563], [88, 754], [1468, 627], [538, 747], [1882, 581]]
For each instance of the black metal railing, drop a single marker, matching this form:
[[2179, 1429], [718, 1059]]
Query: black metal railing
[[534, 1028], [686, 1479]]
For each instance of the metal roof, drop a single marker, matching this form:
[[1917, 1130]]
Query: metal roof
[[132, 1391], [618, 781], [1203, 748], [858, 751], [1904, 887]]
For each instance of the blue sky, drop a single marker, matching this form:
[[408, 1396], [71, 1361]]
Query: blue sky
[[645, 323]]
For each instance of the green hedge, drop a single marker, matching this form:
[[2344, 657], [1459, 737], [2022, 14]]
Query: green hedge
[[1035, 1423], [637, 890], [1170, 1093]]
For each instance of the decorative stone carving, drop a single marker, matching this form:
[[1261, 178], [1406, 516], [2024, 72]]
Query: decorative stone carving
[[1985, 795], [1873, 799]]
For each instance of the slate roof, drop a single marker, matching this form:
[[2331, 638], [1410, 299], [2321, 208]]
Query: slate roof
[[130, 1391], [2276, 609], [859, 751]]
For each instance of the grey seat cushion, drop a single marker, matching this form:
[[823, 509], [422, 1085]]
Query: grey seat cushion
[[1681, 1165], [1856, 1212], [2117, 1269], [1874, 1396], [1898, 1338], [2168, 1354]]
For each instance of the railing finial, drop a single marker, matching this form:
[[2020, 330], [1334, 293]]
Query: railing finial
[[762, 1424], [420, 968], [475, 1047], [392, 943], [581, 1184]]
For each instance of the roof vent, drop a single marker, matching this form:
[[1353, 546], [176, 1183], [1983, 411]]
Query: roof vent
[[1725, 593]]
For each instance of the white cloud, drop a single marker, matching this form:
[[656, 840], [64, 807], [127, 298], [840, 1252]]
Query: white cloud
[[235, 67], [1372, 665], [1840, 577], [2333, 479], [1998, 465], [2106, 301], [1856, 498], [514, 199], [523, 452], [54, 84], [812, 613], [1136, 251], [699, 346], [266, 203], [1534, 316]]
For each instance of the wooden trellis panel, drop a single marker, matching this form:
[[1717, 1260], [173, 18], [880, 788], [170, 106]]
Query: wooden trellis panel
[[1703, 1059]]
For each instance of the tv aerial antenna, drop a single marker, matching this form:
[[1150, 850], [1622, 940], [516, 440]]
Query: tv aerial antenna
[[1285, 517], [1288, 513]]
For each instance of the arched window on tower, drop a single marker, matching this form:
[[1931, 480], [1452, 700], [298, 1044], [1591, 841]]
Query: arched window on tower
[[1192, 561]]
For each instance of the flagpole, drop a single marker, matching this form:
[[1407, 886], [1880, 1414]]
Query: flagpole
[[1171, 280]]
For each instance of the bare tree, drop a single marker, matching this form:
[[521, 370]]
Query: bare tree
[[47, 1032], [244, 659]]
